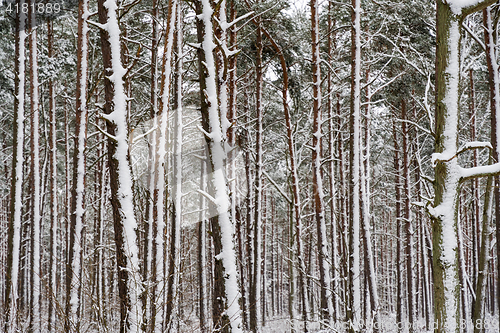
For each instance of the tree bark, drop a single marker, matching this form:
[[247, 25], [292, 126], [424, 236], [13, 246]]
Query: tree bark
[[319, 209], [35, 216], [53, 188], [124, 221], [354, 299], [226, 308], [15, 216], [74, 263]]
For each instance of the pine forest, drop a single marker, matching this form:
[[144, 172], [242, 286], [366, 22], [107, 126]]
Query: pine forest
[[249, 166]]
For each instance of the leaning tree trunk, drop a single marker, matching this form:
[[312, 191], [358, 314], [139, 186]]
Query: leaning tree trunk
[[124, 222]]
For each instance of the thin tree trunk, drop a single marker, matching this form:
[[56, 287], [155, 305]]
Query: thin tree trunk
[[371, 274], [255, 291], [148, 299], [175, 231], [202, 261], [399, 278], [334, 192], [53, 189], [354, 300], [35, 216], [410, 281], [319, 209], [159, 250]]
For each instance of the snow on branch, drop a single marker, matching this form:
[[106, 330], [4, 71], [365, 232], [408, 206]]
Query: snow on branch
[[448, 156], [480, 171], [208, 196], [277, 187]]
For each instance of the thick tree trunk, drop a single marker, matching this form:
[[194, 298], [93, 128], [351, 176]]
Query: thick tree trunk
[[74, 263], [226, 308], [124, 222], [15, 216], [447, 172]]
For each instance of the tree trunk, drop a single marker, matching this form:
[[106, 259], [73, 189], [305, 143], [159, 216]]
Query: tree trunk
[[16, 204], [354, 300], [175, 231], [255, 289], [319, 209], [124, 222], [226, 308], [410, 281], [399, 277], [447, 174], [334, 192], [35, 216], [74, 263], [53, 189]]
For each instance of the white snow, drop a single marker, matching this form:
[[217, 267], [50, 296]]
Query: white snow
[[219, 182], [124, 195], [35, 161], [355, 269], [18, 204], [457, 5]]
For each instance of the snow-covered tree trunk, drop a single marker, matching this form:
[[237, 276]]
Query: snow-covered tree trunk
[[124, 221], [371, 274], [158, 275], [410, 282], [334, 191], [255, 289], [14, 233], [354, 301], [52, 283], [448, 173], [35, 217], [226, 311], [148, 299], [398, 218], [74, 263], [319, 206]]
